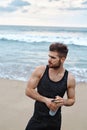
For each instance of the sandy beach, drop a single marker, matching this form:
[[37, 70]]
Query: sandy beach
[[16, 108]]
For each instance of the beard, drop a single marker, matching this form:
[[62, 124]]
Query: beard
[[54, 66]]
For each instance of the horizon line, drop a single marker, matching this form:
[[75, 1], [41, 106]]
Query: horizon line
[[43, 26]]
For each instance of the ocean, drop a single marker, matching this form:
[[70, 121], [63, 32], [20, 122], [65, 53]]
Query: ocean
[[22, 48]]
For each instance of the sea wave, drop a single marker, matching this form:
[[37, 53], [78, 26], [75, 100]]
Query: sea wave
[[80, 74], [82, 41]]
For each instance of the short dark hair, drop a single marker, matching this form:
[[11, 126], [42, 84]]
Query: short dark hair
[[60, 48]]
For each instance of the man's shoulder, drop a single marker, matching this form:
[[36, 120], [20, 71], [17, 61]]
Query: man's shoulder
[[39, 70], [71, 79], [71, 76]]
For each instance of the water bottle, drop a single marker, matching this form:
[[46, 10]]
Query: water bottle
[[52, 113]]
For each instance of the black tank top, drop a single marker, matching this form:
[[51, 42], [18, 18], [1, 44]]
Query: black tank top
[[50, 89]]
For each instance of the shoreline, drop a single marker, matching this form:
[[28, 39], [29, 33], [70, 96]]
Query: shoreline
[[16, 108], [25, 81]]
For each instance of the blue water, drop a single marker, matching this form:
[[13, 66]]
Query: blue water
[[22, 48]]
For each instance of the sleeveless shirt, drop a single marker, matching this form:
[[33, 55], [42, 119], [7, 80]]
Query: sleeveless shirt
[[50, 89]]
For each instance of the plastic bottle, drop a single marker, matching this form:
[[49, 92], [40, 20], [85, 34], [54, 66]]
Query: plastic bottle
[[52, 113]]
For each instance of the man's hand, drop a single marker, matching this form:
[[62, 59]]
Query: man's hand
[[54, 104]]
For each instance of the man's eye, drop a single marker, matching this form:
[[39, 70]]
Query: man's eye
[[53, 57]]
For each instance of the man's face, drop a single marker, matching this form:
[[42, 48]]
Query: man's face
[[54, 60]]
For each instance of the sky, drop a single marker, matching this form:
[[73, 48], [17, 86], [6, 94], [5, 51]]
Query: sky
[[72, 13]]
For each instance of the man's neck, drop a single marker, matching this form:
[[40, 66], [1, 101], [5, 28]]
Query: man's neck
[[58, 70]]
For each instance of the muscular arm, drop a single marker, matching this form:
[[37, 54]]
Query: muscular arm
[[70, 91], [33, 82]]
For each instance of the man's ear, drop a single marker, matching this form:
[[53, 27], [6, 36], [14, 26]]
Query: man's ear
[[63, 59]]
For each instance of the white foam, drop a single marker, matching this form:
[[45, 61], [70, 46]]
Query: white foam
[[68, 38]]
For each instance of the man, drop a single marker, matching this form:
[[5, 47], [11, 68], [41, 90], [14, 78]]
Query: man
[[51, 81]]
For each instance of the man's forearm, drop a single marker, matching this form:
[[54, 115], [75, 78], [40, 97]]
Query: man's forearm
[[35, 95], [69, 102]]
